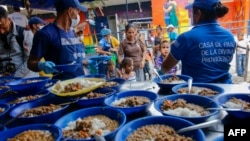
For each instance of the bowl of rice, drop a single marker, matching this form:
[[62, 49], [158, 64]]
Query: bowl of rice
[[158, 128], [235, 101], [115, 83], [95, 97], [170, 80], [32, 132], [86, 123], [203, 89], [46, 110], [131, 102], [186, 106]]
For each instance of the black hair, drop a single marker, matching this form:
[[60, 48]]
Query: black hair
[[130, 25], [3, 13], [159, 27], [110, 63], [162, 42], [126, 61], [219, 11]]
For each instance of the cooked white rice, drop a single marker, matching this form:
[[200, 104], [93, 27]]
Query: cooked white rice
[[233, 105], [182, 112]]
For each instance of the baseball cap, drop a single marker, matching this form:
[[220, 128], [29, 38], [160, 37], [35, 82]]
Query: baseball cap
[[105, 31], [36, 20], [170, 26], [204, 4], [62, 5]]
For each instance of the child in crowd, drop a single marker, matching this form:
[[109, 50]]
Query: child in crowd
[[165, 50], [146, 68], [112, 72], [127, 69]]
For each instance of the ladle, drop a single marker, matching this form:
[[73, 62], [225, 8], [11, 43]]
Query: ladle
[[199, 126], [190, 81], [157, 74]]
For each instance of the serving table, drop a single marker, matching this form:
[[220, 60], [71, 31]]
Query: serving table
[[212, 132]]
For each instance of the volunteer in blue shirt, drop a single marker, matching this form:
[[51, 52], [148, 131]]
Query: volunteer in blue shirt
[[57, 42], [207, 50]]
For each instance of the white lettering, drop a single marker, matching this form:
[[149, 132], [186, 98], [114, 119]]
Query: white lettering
[[231, 132], [243, 131]]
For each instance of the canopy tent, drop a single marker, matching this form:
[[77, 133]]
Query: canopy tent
[[36, 4]]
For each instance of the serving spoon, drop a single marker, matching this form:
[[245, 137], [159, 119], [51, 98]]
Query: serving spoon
[[190, 81], [199, 126], [155, 71]]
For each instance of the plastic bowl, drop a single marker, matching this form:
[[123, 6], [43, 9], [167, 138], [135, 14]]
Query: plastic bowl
[[219, 89], [112, 113], [6, 79], [21, 86], [223, 98], [203, 101], [120, 82], [8, 100], [6, 109], [46, 118], [131, 110], [96, 101], [67, 67], [10, 133], [174, 122], [168, 86], [93, 76]]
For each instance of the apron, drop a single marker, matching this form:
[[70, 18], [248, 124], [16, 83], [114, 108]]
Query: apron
[[72, 50]]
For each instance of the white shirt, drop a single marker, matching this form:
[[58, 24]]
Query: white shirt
[[242, 43], [19, 19]]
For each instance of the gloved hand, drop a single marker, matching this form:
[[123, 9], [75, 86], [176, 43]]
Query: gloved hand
[[47, 67]]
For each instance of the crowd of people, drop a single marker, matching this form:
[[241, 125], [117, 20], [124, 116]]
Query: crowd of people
[[45, 45]]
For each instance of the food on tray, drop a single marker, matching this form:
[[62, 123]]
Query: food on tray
[[93, 95], [33, 135], [110, 84], [79, 84], [156, 132], [25, 99], [173, 80], [89, 126], [236, 103], [198, 90], [2, 110], [180, 107], [31, 81], [40, 110], [131, 101], [4, 87]]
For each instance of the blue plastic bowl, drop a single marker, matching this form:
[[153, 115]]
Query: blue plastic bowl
[[121, 81], [220, 138], [18, 85], [93, 76], [6, 109], [96, 101], [47, 118], [10, 133], [131, 110], [220, 90], [67, 67], [112, 113], [4, 89], [176, 123], [168, 86], [44, 94], [195, 99], [6, 79], [223, 98]]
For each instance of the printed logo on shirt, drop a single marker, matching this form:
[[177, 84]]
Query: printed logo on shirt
[[70, 41]]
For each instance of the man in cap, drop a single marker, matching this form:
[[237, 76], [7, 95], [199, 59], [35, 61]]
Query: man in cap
[[57, 42], [36, 23]]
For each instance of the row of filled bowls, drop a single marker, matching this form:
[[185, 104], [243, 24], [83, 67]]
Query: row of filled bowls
[[158, 103]]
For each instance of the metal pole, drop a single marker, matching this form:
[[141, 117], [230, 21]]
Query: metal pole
[[127, 9], [246, 63]]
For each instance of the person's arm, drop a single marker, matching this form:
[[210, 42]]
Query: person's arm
[[33, 63], [168, 63], [168, 9], [144, 51], [120, 53], [119, 73]]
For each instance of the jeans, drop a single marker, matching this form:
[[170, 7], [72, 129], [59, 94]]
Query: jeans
[[240, 64]]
